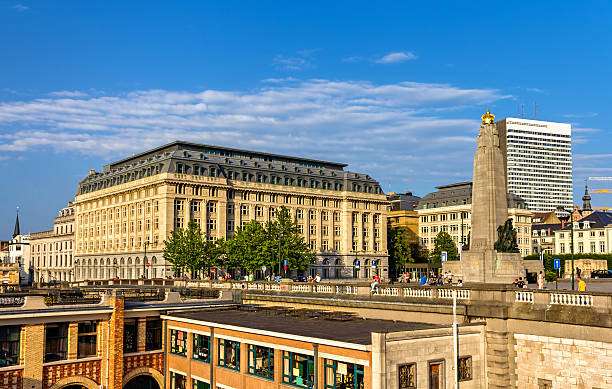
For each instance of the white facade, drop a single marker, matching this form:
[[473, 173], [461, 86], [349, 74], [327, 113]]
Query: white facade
[[539, 162]]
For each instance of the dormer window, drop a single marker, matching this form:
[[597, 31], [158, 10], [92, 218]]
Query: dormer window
[[586, 225]]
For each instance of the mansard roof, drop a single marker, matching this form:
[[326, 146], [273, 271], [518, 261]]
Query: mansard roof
[[202, 159]]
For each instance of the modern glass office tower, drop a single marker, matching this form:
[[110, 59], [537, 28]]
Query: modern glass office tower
[[538, 161]]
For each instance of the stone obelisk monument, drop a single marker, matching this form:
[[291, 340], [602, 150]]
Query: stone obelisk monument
[[482, 263]]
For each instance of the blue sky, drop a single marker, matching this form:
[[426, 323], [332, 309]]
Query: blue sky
[[394, 89]]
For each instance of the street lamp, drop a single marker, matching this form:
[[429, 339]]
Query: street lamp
[[144, 263], [560, 208]]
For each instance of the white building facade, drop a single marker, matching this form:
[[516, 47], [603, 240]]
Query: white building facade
[[538, 162]]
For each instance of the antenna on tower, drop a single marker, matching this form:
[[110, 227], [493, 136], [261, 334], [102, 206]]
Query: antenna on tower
[[522, 111], [536, 110]]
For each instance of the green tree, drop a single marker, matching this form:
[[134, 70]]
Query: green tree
[[284, 238], [400, 251], [444, 242], [248, 248], [185, 249]]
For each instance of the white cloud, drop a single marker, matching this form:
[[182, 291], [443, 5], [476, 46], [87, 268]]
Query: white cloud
[[67, 93], [300, 61], [20, 7], [367, 125], [397, 57], [581, 115]]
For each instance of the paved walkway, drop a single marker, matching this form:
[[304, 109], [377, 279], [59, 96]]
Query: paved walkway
[[592, 285]]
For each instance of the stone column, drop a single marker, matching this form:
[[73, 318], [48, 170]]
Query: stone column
[[33, 349], [379, 370], [115, 343], [142, 334], [73, 340]]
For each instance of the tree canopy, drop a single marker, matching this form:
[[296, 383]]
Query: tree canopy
[[251, 247], [400, 251], [444, 242]]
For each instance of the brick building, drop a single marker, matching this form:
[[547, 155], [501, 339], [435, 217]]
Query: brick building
[[271, 347], [114, 343]]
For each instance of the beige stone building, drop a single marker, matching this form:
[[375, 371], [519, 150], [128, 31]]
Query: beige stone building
[[52, 251], [450, 208], [134, 204], [592, 234]]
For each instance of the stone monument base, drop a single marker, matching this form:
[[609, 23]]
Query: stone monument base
[[487, 266]]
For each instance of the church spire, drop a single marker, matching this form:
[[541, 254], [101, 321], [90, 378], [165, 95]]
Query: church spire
[[586, 199], [17, 232]]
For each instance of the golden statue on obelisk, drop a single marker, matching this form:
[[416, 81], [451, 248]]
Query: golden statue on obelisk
[[482, 262]]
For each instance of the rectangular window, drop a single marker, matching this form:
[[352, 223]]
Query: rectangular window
[[153, 334], [130, 336], [465, 368], [229, 354], [261, 361], [407, 376], [178, 342], [298, 369], [56, 342], [9, 345], [200, 384], [87, 340], [178, 381], [201, 348], [342, 375]]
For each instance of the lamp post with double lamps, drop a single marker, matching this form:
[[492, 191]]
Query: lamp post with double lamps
[[560, 208]]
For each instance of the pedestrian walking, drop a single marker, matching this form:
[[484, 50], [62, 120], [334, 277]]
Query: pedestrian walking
[[581, 285], [540, 280]]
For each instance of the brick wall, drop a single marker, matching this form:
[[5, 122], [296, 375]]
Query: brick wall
[[570, 363]]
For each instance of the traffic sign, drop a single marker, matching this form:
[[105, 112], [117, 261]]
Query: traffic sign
[[148, 264], [374, 263], [212, 270], [557, 263], [444, 256], [263, 268], [357, 264], [285, 263], [285, 267]]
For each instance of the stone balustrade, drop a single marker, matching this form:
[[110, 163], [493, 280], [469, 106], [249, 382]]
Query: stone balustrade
[[524, 297], [467, 294], [578, 299]]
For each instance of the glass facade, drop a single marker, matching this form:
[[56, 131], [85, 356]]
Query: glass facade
[[9, 345], [261, 361], [229, 354], [153, 336], [56, 342], [201, 347], [342, 375], [130, 335], [178, 342], [88, 339], [298, 369]]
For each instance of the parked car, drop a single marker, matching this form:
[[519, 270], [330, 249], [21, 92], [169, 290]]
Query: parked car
[[300, 279], [601, 274]]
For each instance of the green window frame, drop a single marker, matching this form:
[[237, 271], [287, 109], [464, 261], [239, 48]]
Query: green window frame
[[178, 381], [228, 354], [9, 345], [261, 361], [201, 348], [197, 384], [342, 375], [178, 342], [298, 369]]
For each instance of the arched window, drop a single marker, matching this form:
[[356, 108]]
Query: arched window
[[137, 261], [122, 263], [129, 261], [154, 261]]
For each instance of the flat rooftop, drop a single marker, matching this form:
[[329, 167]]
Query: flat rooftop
[[307, 323]]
